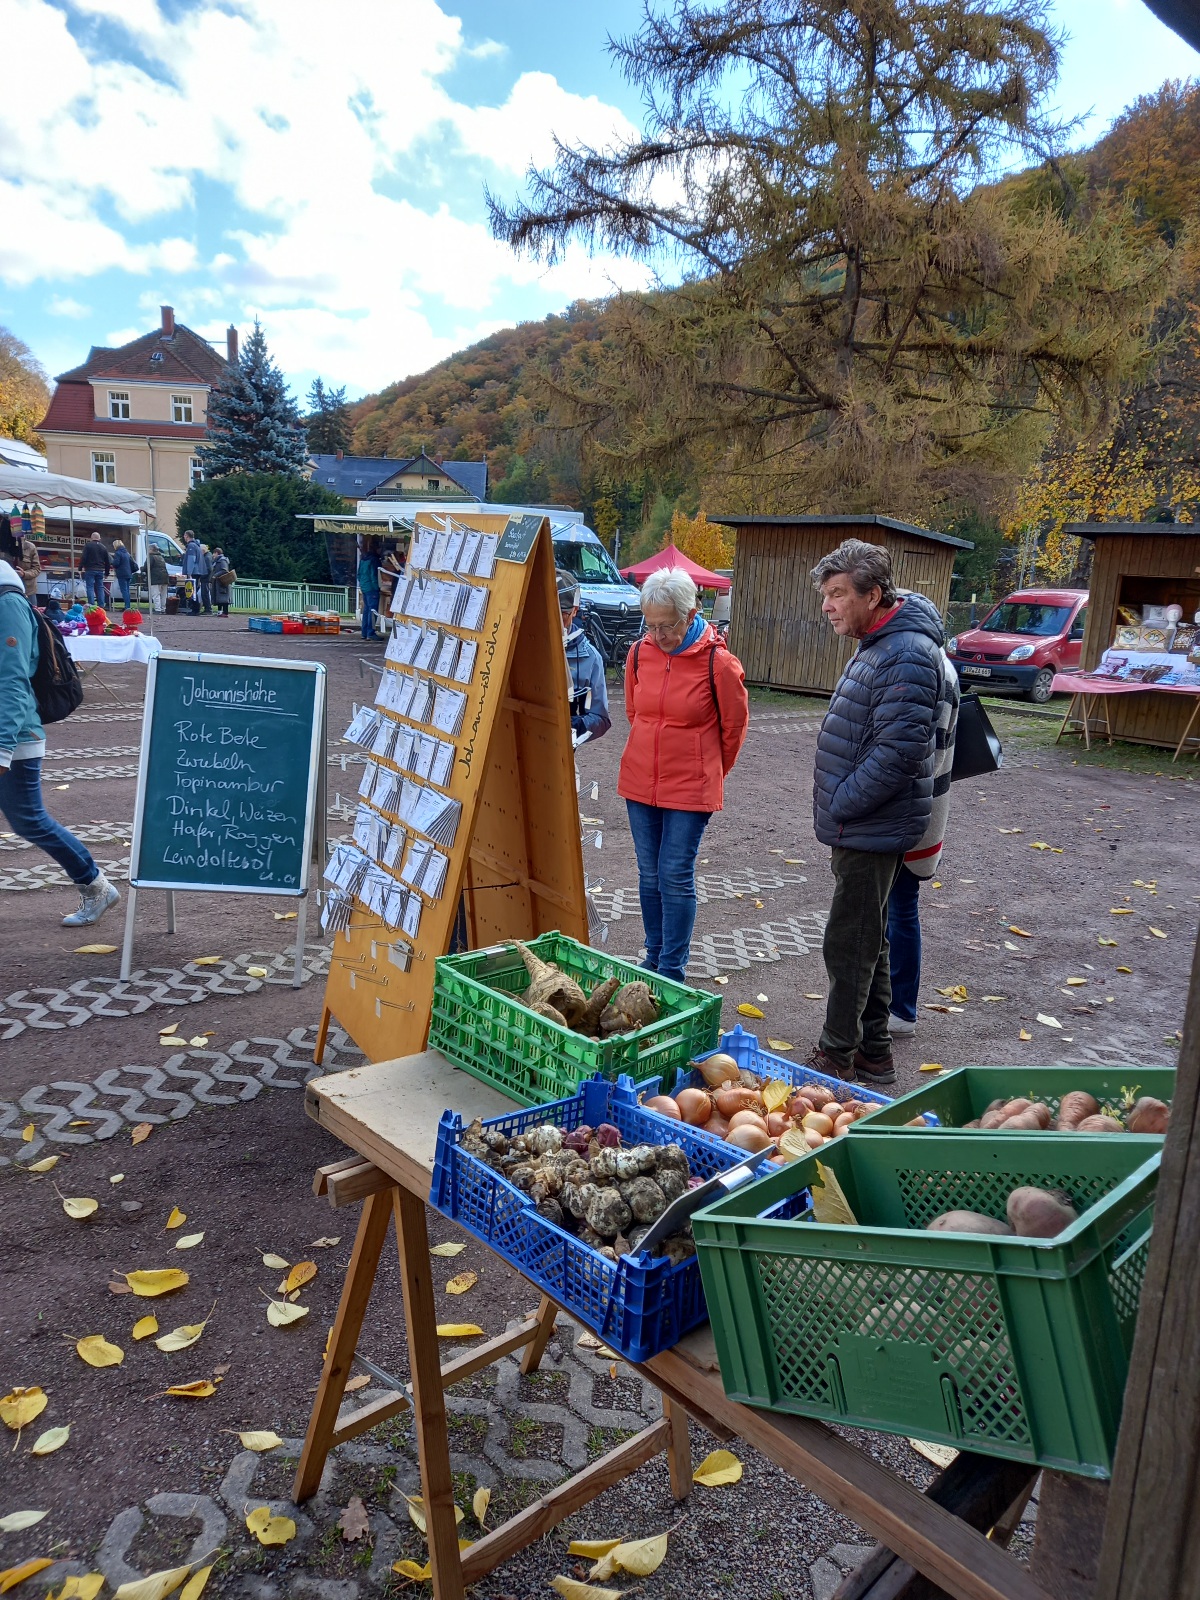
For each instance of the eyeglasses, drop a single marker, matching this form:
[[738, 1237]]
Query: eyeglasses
[[665, 629]]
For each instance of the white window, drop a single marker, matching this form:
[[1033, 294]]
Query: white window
[[118, 408], [195, 471], [104, 466], [181, 408]]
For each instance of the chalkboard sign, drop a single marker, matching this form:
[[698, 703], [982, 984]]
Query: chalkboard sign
[[518, 538], [228, 774]]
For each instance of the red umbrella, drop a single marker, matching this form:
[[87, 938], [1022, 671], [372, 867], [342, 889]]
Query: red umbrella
[[671, 557]]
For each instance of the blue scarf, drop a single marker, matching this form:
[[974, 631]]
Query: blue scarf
[[695, 628]]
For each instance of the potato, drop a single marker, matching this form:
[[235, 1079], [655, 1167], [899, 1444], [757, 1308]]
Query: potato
[[1040, 1213], [1148, 1116], [974, 1123], [1075, 1106], [994, 1105], [1026, 1121], [967, 1222], [1013, 1108], [992, 1119], [1100, 1124]]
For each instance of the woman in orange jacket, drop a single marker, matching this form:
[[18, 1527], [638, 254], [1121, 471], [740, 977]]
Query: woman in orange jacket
[[685, 696]]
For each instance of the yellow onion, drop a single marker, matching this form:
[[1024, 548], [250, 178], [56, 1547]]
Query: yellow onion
[[664, 1105], [717, 1070], [748, 1119], [694, 1106], [729, 1100], [748, 1138]]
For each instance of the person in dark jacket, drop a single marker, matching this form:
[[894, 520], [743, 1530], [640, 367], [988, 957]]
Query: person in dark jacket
[[95, 566], [122, 563], [872, 791], [223, 580], [589, 691], [157, 578]]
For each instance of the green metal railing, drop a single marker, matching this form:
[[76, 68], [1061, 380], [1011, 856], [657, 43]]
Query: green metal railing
[[273, 599]]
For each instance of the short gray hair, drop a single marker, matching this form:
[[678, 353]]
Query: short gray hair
[[670, 586], [868, 566]]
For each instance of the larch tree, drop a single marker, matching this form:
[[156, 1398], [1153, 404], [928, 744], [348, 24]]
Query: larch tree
[[870, 316], [253, 424], [24, 390]]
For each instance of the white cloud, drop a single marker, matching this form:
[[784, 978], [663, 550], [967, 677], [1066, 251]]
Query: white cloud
[[62, 305], [111, 159]]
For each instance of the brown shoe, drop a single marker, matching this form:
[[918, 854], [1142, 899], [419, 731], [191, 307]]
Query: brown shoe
[[873, 1070], [818, 1061]]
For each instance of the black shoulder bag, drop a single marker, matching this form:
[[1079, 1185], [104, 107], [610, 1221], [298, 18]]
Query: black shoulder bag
[[977, 747]]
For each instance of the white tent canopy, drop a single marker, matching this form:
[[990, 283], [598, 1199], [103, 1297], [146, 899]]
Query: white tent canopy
[[51, 489]]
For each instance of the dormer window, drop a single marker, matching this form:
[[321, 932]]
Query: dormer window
[[118, 405], [181, 408]]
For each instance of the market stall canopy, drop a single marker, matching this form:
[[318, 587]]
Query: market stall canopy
[[671, 557], [51, 489]]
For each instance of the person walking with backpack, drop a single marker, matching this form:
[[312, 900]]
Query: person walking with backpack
[[95, 565], [685, 696], [22, 747]]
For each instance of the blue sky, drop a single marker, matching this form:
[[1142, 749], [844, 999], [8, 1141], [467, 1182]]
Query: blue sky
[[323, 167]]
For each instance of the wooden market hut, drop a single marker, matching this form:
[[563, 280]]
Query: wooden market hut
[[1137, 564], [776, 629]]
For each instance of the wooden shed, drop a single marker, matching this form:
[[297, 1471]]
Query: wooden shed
[[1137, 564], [776, 629]]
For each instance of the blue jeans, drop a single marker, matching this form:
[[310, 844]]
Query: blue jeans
[[370, 605], [904, 937], [21, 802], [666, 843], [93, 583], [123, 585]]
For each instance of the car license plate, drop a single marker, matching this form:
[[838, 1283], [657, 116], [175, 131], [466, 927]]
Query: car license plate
[[976, 672]]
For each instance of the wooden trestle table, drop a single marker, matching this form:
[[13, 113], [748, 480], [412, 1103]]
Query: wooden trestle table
[[387, 1113]]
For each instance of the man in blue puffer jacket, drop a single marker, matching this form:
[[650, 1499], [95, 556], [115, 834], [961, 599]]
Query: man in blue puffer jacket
[[872, 790]]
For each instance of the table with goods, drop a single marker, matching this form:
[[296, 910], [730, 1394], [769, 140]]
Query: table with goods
[[1154, 649], [774, 1250]]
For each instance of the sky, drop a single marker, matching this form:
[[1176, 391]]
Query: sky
[[323, 167]]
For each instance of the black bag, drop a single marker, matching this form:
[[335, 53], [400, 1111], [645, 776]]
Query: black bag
[[56, 684], [977, 747]]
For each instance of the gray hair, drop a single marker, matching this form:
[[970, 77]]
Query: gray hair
[[868, 566], [670, 586]]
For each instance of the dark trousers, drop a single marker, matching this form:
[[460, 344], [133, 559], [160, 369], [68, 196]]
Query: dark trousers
[[856, 956], [904, 941], [666, 843], [370, 606], [93, 582]]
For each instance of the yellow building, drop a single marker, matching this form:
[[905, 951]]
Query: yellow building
[[135, 416]]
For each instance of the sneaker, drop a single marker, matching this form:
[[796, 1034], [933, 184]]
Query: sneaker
[[900, 1025], [872, 1070], [818, 1061], [95, 899]]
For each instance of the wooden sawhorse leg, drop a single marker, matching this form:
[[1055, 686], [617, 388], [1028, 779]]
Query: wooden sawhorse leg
[[322, 1035], [1187, 733]]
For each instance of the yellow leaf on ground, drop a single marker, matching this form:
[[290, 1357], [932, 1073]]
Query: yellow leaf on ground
[[591, 1549], [264, 1439], [1021, 933], [80, 1207], [43, 1165], [94, 949], [780, 1044], [462, 1282], [141, 1133], [720, 980], [256, 972], [747, 1010], [18, 1521], [27, 1133], [480, 1501], [814, 996], [194, 1587], [198, 1041], [572, 1589], [954, 991], [451, 1249], [932, 1066], [1120, 911], [1124, 969], [1076, 983], [97, 1351], [457, 1330], [276, 1263], [721, 1467], [200, 1390], [416, 1510], [85, 1588], [792, 861], [1047, 1021], [993, 997], [413, 1571], [280, 1314], [205, 961], [10, 1577], [156, 1281], [1158, 933], [177, 1218], [156, 1587], [1025, 1035], [326, 1243], [303, 1272], [144, 1327], [1109, 944], [53, 1439], [1011, 830], [117, 1177], [639, 1557], [182, 1338], [360, 1382], [286, 916], [189, 1241], [19, 1407]]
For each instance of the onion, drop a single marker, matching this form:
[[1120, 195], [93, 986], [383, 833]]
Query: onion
[[717, 1070], [729, 1100], [748, 1119], [817, 1122], [813, 1139], [842, 1123], [694, 1106], [718, 1125], [831, 1109], [664, 1105], [778, 1124], [748, 1138]]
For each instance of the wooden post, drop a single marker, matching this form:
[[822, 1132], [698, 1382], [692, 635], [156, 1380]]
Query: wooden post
[[679, 1449], [547, 1311], [1151, 1548]]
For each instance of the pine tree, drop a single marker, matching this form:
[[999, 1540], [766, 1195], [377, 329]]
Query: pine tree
[[253, 424], [328, 421]]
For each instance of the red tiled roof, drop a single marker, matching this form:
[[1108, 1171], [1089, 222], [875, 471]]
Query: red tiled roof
[[186, 357], [72, 410]]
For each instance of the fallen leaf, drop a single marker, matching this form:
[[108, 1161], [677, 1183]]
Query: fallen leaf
[[416, 1510], [141, 1133], [638, 1557], [777, 1093], [1009, 945], [11, 1576], [286, 916], [450, 1249], [994, 997], [280, 1314], [462, 1282], [53, 1439], [194, 1587], [762, 999], [1124, 969], [780, 1044], [1020, 932], [303, 1272], [1011, 830], [457, 1330], [412, 1571], [1109, 944], [200, 1390], [1048, 1022], [16, 1521], [1158, 933], [1120, 911], [480, 1501], [572, 1589], [155, 1281], [80, 1208], [747, 1010], [27, 1133], [98, 1352], [43, 1165], [19, 1407], [326, 1244], [198, 1041], [184, 1337], [720, 980], [1025, 1035], [144, 1327], [932, 1066], [156, 1587], [189, 1241], [256, 972], [1039, 844], [589, 1341], [591, 1549], [268, 1529], [814, 996], [955, 991], [117, 1177], [177, 1218], [85, 1588], [206, 961], [276, 1263], [792, 861], [359, 1382], [354, 1521], [94, 949], [80, 1122], [1076, 983], [720, 1467], [260, 1440]]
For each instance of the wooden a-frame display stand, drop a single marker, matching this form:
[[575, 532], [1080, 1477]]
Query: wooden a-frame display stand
[[517, 861]]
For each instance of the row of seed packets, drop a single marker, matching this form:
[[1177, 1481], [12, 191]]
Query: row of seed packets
[[355, 876], [428, 599], [451, 549], [434, 650]]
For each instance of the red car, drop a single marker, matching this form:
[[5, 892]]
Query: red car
[[1023, 642]]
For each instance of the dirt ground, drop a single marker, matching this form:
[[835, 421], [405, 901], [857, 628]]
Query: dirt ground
[[1073, 850]]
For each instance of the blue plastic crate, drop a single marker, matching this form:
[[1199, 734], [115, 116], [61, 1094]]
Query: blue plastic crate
[[640, 1304], [266, 625]]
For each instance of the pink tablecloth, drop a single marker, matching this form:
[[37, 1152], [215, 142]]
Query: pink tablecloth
[[1089, 683]]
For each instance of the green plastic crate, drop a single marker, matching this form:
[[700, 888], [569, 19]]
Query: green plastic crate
[[959, 1097], [480, 1023], [1010, 1347]]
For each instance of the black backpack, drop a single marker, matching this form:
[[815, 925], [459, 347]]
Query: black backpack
[[56, 684]]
